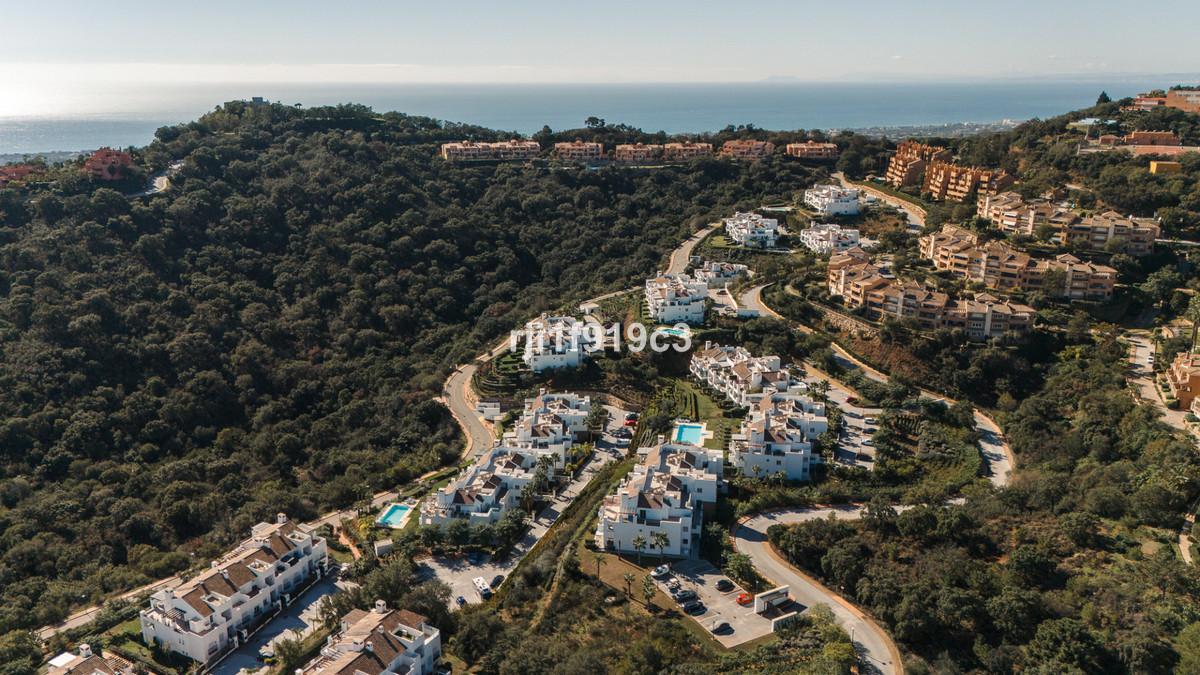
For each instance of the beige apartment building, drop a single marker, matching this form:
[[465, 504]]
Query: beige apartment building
[[862, 284], [678, 152], [999, 266], [954, 182], [1012, 214], [1184, 378], [579, 151], [637, 153], [747, 149], [471, 151], [813, 150], [907, 166], [1095, 232], [1167, 138], [1187, 100]]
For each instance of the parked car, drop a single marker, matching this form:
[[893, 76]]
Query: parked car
[[497, 580], [870, 421], [724, 585], [661, 571], [685, 596], [722, 628], [852, 400], [631, 423], [475, 557], [745, 599], [694, 607], [673, 584], [632, 416], [460, 601], [868, 442]]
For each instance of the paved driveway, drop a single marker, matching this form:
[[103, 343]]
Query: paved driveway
[[297, 620]]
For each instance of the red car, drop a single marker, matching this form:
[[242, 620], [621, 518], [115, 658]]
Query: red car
[[745, 599], [852, 400]]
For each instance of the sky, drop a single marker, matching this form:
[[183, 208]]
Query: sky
[[48, 46]]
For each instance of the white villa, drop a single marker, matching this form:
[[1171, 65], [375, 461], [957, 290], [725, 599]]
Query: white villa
[[823, 238], [777, 436], [742, 378], [667, 492], [556, 342], [676, 298], [214, 611], [87, 662], [716, 274], [379, 642], [549, 425], [832, 200], [751, 229], [484, 491]]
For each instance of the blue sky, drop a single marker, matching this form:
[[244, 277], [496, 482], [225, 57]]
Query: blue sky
[[615, 41]]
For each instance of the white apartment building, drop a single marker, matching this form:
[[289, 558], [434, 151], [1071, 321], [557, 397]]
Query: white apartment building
[[213, 612], [823, 238], [751, 229], [557, 342], [742, 378], [777, 436], [485, 490], [716, 274], [549, 425], [379, 642], [667, 492], [833, 200], [676, 298]]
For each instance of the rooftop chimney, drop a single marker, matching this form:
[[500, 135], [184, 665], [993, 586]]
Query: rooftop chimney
[[280, 518], [85, 650], [380, 607]]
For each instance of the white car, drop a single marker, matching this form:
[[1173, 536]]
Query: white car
[[868, 442], [660, 571], [870, 421]]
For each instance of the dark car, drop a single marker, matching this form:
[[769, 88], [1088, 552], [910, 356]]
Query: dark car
[[694, 607], [460, 601], [475, 557], [497, 580], [722, 628], [724, 585], [686, 595]]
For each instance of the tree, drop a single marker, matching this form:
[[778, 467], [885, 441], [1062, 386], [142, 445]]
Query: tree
[[597, 418], [330, 617], [1103, 98], [648, 590], [594, 122], [1193, 314], [289, 654], [1187, 644], [629, 578], [639, 544], [599, 559], [660, 541], [478, 630], [1065, 644]]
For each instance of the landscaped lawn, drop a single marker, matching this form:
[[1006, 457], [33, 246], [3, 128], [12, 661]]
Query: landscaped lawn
[[711, 414]]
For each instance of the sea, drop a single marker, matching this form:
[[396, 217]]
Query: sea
[[128, 115]]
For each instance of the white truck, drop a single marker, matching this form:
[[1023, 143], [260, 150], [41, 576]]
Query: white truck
[[481, 585]]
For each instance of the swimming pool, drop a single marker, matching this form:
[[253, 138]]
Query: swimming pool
[[394, 516], [689, 433]]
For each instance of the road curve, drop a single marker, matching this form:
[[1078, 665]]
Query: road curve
[[875, 647]]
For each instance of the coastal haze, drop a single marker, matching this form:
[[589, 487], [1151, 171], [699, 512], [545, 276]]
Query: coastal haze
[[127, 115]]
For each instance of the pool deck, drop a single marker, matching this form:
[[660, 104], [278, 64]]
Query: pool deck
[[403, 519], [679, 432]]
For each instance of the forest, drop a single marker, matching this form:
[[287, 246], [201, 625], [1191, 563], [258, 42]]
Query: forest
[[269, 334]]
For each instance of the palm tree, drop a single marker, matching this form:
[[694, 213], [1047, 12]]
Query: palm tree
[[639, 544], [648, 591], [599, 559], [660, 541], [629, 579]]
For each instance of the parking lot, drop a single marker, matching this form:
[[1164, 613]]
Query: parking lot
[[852, 450], [702, 577]]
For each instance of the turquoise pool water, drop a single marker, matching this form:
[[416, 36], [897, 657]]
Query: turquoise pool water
[[394, 515], [689, 433]]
